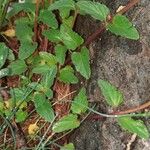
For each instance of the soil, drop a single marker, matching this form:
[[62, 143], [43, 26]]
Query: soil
[[126, 64]]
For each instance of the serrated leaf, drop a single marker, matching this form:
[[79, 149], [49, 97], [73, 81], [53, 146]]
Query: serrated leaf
[[52, 35], [70, 38], [67, 122], [18, 94], [122, 26], [2, 105], [48, 18], [67, 75], [94, 9], [41, 88], [134, 126], [112, 95], [60, 52], [26, 49], [17, 67], [80, 102], [41, 69], [48, 92], [3, 53], [43, 107], [11, 56], [49, 58], [4, 72], [34, 60], [25, 21], [21, 116], [17, 7], [48, 78], [69, 21], [24, 32], [68, 4], [64, 13], [36, 86], [69, 146], [81, 62]]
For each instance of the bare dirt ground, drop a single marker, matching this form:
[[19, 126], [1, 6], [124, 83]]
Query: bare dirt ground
[[126, 64]]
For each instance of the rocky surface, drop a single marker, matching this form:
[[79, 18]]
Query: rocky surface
[[126, 64]]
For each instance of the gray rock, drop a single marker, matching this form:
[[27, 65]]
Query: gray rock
[[126, 64]]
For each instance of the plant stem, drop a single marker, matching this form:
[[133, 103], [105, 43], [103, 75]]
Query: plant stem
[[93, 36], [128, 6], [35, 20], [124, 114], [74, 18], [102, 28], [132, 110]]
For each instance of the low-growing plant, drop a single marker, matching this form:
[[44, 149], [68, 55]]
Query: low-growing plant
[[49, 56]]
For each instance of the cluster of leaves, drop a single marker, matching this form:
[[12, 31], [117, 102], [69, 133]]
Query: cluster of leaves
[[52, 66], [114, 98]]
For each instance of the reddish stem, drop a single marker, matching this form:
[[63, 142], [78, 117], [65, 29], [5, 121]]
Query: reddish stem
[[132, 110], [93, 36], [128, 6], [35, 21], [102, 28]]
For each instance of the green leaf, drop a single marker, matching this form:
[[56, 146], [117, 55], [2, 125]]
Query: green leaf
[[69, 146], [11, 56], [60, 52], [62, 4], [2, 106], [48, 58], [26, 49], [4, 72], [21, 116], [69, 21], [48, 92], [94, 9], [17, 7], [24, 32], [113, 96], [122, 26], [134, 126], [17, 67], [43, 107], [3, 53], [41, 88], [24, 80], [52, 35], [48, 18], [48, 78], [71, 39], [81, 62], [67, 75], [80, 103], [41, 69], [66, 123], [64, 13], [36, 86], [18, 94]]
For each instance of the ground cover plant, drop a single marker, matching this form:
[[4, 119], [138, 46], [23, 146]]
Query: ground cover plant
[[42, 59]]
